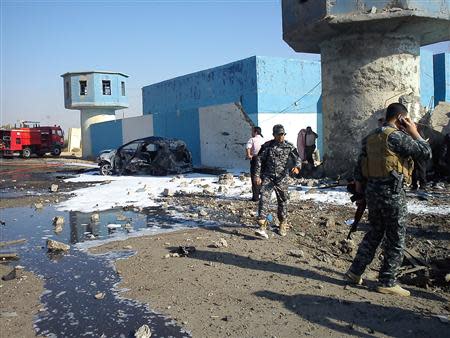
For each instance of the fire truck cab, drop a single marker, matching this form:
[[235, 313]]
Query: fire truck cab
[[31, 138]]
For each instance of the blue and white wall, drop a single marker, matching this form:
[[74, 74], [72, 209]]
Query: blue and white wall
[[213, 110], [113, 134], [175, 103], [289, 93]]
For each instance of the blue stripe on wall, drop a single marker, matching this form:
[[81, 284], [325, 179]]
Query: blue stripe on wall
[[426, 78], [441, 77]]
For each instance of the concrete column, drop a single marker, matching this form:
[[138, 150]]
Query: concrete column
[[361, 75], [88, 117]]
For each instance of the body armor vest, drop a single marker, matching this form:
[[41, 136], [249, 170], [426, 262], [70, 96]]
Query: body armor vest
[[380, 160]]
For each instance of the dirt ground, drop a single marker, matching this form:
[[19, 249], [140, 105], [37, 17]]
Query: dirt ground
[[19, 302], [281, 287]]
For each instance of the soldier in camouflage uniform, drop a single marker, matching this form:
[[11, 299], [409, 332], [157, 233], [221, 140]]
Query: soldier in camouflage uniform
[[272, 173], [384, 166]]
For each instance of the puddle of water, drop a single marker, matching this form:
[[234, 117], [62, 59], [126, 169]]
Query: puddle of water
[[73, 279], [15, 193]]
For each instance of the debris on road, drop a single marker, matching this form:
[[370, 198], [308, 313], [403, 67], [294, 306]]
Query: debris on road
[[143, 332], [55, 246], [16, 272]]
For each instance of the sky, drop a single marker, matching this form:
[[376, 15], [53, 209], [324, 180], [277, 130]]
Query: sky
[[151, 41]]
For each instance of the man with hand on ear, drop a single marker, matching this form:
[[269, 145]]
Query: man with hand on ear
[[384, 167], [272, 173]]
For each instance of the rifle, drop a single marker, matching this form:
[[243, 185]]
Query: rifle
[[361, 206]]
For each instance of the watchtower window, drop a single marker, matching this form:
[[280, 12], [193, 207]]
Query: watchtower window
[[106, 85], [83, 87], [123, 87]]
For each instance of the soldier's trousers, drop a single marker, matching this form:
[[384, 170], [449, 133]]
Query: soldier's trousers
[[387, 217], [281, 191]]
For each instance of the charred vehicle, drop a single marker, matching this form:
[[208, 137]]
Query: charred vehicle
[[157, 156]]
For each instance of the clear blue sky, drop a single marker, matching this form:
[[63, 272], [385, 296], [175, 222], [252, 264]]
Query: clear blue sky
[[149, 40]]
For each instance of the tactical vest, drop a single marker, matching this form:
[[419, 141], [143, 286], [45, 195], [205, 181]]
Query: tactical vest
[[380, 160]]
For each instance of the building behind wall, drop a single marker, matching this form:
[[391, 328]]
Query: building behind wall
[[214, 109]]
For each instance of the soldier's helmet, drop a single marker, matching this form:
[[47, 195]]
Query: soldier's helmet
[[278, 129]]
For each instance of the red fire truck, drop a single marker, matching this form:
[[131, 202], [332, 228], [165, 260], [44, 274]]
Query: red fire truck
[[31, 138]]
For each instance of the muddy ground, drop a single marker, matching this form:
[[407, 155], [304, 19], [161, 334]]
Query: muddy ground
[[281, 287]]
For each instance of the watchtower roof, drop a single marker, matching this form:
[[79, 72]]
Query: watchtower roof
[[93, 71]]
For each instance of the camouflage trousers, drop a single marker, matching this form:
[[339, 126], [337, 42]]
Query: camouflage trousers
[[387, 217], [281, 191]]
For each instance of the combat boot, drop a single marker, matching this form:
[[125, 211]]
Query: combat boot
[[262, 231], [394, 290], [353, 278], [283, 228]]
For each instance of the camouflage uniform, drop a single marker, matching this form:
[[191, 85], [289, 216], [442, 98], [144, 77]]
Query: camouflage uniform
[[274, 162], [387, 209]]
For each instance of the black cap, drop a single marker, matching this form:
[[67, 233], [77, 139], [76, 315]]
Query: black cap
[[278, 129]]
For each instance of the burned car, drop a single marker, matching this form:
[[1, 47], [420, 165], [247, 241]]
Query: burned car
[[153, 155]]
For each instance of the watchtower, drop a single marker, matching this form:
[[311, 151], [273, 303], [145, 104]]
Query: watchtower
[[97, 95], [369, 59]]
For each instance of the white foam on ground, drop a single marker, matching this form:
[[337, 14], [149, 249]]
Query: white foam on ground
[[145, 191]]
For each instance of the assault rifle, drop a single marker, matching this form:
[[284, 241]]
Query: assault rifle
[[361, 206]]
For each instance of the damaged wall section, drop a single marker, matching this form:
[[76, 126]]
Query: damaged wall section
[[222, 143]]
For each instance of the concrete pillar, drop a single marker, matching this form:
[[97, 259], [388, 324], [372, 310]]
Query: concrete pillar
[[89, 117], [361, 75]]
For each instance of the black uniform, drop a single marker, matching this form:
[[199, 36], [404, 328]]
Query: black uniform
[[273, 165], [387, 209]]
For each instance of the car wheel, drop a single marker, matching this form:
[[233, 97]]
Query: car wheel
[[106, 169], [56, 151], [26, 153]]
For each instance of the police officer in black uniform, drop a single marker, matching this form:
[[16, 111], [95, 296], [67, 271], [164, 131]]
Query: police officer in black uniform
[[384, 167], [272, 173]]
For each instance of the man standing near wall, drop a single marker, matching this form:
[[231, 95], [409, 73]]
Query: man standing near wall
[[385, 164], [252, 149], [310, 145], [275, 160]]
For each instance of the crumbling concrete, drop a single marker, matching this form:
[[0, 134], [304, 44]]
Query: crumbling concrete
[[370, 58]]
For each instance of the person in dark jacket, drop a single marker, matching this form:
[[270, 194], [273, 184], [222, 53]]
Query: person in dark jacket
[[384, 166], [275, 160]]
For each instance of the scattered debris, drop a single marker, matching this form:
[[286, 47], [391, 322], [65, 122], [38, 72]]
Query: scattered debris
[[54, 188], [58, 220], [226, 179], [38, 205], [99, 295], [347, 246], [14, 242], [14, 273], [331, 222], [221, 243], [143, 332], [55, 246], [168, 192], [9, 256], [296, 253], [113, 226], [95, 217], [184, 251], [443, 318]]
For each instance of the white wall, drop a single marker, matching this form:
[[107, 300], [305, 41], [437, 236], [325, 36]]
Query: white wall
[[137, 127], [224, 132], [74, 139], [292, 124]]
